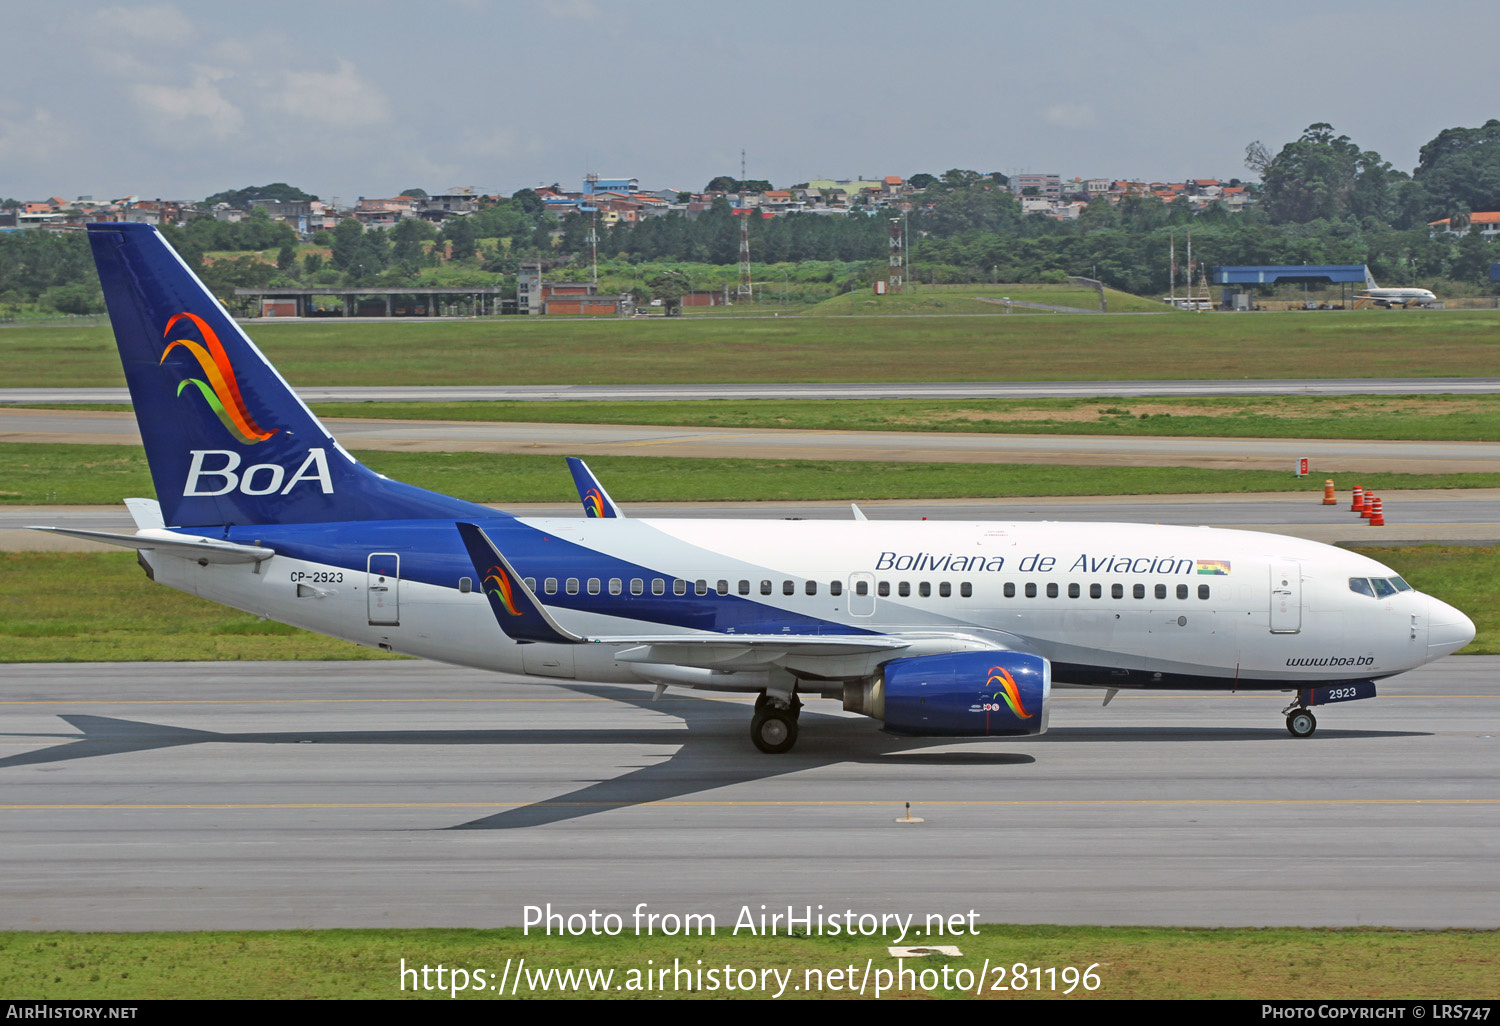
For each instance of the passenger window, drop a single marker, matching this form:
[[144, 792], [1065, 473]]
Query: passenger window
[[550, 586], [765, 587], [1117, 591], [658, 586], [616, 586], [465, 585], [572, 586], [1052, 590], [1030, 590], [1010, 589], [679, 587], [1074, 591], [1203, 591], [861, 587], [531, 583], [1161, 591], [811, 588], [835, 588], [594, 585], [1182, 591], [945, 590], [700, 587], [965, 589], [789, 587], [924, 589], [723, 588], [744, 587], [1096, 591], [1139, 591], [904, 589], [637, 586], [883, 589]]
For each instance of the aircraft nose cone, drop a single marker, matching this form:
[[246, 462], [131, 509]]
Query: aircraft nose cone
[[1448, 629]]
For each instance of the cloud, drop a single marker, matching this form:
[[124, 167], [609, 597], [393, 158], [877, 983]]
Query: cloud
[[158, 24], [199, 101], [35, 140], [572, 10], [1071, 115], [338, 99]]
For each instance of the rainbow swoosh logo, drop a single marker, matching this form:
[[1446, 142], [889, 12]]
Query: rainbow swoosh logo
[[1008, 691], [497, 585], [593, 503], [221, 390]]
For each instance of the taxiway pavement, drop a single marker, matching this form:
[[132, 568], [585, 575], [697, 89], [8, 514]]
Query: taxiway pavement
[[272, 795]]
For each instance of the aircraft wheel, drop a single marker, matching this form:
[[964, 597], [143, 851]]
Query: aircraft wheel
[[1301, 723], [773, 730]]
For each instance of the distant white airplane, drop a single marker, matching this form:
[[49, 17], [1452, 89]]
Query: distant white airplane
[[934, 629], [1395, 297]]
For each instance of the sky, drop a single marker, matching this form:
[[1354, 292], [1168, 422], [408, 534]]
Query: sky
[[343, 99]]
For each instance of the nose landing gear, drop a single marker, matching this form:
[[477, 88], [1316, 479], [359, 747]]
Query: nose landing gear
[[1300, 722]]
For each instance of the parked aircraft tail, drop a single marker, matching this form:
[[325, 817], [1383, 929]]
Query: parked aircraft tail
[[227, 439]]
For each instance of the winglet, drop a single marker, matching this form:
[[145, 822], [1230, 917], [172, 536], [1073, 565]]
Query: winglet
[[516, 608], [596, 501]]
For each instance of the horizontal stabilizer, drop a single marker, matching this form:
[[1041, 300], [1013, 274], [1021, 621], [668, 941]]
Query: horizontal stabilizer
[[210, 550]]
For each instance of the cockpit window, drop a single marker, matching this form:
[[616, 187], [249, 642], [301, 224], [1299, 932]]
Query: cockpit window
[[1378, 587]]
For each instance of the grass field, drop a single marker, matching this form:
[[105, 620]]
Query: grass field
[[1416, 418], [520, 350], [964, 299], [40, 473], [1121, 962], [45, 616]]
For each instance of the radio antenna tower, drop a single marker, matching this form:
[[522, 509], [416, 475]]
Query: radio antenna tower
[[593, 180], [747, 287]]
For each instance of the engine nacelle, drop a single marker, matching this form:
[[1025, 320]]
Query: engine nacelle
[[961, 694]]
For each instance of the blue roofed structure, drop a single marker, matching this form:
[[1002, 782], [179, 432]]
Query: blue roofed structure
[[1271, 274]]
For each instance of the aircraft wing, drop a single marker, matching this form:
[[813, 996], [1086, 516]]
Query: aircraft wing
[[706, 658], [206, 550]]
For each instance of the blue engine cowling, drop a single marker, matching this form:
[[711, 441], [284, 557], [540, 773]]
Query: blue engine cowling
[[962, 694]]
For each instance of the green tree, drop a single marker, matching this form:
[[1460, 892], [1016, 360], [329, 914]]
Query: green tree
[[1324, 176], [670, 286], [285, 258], [240, 198], [1461, 166]]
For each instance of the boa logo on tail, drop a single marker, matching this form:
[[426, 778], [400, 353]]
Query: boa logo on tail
[[222, 390], [593, 503], [1011, 694], [497, 585]]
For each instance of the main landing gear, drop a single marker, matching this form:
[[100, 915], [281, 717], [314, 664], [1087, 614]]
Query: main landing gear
[[774, 726], [1300, 722]]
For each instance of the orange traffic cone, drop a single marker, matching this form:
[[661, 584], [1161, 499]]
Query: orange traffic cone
[[1359, 499], [1328, 496], [1377, 515]]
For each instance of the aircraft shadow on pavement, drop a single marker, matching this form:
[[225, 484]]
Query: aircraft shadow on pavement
[[711, 749]]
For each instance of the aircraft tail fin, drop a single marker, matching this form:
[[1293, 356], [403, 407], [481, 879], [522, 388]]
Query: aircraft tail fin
[[596, 501], [1370, 279], [227, 439]]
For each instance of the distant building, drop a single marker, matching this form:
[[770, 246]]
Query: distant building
[[1046, 186], [1486, 221]]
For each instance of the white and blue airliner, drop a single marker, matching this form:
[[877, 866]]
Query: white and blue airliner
[[932, 628]]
